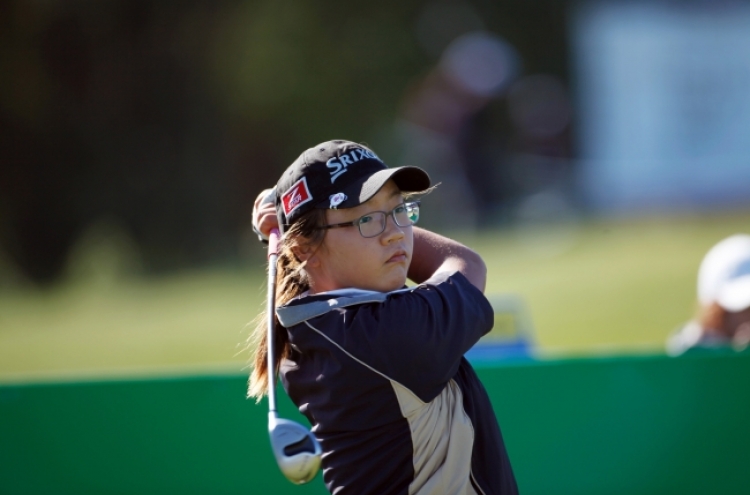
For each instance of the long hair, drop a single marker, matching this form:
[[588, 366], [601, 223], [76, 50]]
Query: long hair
[[291, 281]]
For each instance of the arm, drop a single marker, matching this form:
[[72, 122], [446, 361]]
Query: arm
[[434, 253]]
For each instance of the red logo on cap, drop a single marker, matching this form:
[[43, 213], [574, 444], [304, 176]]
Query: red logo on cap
[[296, 196]]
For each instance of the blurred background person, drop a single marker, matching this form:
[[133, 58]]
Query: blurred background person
[[486, 118], [441, 125], [723, 317]]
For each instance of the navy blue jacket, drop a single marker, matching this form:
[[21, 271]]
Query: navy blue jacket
[[395, 405]]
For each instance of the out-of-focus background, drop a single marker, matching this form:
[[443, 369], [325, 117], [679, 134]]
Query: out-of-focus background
[[591, 151]]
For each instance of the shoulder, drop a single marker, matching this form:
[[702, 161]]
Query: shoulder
[[414, 336], [692, 336], [447, 288], [452, 291]]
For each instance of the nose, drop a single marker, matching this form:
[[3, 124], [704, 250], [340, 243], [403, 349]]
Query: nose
[[392, 231]]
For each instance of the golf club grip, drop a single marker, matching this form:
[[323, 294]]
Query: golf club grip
[[273, 244]]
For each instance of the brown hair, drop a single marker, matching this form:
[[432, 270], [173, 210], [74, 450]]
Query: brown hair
[[291, 281]]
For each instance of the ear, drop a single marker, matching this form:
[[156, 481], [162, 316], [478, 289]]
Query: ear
[[305, 254]]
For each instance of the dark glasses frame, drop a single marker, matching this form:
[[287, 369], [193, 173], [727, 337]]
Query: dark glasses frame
[[359, 221]]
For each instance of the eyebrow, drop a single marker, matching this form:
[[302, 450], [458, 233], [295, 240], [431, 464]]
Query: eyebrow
[[396, 192]]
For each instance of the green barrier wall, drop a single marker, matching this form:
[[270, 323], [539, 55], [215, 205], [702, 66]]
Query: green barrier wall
[[628, 425]]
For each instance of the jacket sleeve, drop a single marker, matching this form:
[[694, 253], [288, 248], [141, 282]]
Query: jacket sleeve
[[417, 338]]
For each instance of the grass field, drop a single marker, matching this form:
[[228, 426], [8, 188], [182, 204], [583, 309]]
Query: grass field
[[600, 286]]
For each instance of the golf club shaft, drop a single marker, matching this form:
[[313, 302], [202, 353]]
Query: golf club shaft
[[273, 243]]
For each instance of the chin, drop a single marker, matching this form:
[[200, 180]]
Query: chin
[[394, 284]]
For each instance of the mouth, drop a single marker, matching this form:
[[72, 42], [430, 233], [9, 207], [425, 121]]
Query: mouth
[[398, 257]]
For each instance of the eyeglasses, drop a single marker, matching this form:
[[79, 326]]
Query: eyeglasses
[[373, 224]]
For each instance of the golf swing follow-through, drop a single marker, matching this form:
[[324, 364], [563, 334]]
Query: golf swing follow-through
[[376, 366], [296, 450]]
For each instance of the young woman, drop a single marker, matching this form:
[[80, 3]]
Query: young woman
[[378, 367]]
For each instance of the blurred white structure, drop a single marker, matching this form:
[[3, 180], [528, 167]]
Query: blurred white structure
[[664, 104]]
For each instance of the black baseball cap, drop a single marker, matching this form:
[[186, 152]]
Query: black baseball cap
[[338, 174]]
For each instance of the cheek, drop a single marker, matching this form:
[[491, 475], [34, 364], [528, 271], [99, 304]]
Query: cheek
[[409, 241], [344, 250]]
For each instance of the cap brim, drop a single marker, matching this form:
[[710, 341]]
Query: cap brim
[[407, 179], [734, 296]]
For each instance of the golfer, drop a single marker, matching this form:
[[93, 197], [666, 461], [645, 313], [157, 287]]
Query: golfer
[[377, 367]]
